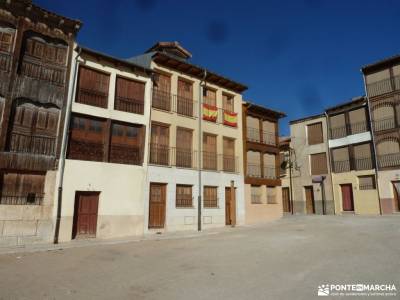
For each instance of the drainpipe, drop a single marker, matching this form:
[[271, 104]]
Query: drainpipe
[[202, 82], [329, 159], [371, 126], [290, 180], [64, 147]]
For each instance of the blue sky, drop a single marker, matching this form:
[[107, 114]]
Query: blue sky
[[298, 57]]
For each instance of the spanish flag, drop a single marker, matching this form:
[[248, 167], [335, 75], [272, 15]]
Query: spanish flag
[[210, 112], [230, 118]]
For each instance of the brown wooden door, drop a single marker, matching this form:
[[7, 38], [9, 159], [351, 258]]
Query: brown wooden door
[[228, 219], [85, 214], [309, 200], [347, 197], [157, 201], [396, 200], [286, 199]]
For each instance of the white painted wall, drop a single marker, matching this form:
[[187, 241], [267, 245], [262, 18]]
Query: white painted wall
[[351, 139]]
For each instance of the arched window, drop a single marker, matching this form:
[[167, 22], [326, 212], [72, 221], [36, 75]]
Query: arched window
[[384, 117], [388, 152], [34, 128]]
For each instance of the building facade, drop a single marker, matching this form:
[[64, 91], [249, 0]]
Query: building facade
[[382, 85], [352, 158], [311, 181], [195, 144], [35, 57], [105, 169], [263, 196]]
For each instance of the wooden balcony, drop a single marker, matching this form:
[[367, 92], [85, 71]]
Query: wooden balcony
[[257, 135], [5, 62], [125, 154], [34, 144]]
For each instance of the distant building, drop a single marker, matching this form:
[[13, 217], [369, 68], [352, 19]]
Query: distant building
[[382, 84], [261, 163]]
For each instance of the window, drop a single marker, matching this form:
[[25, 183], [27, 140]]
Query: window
[[269, 167], [92, 87], [315, 134], [228, 102], [6, 41], [341, 160], [184, 196], [127, 142], [269, 132], [184, 154], [86, 140], [362, 157], [366, 182], [162, 92], [253, 164], [337, 126], [210, 197], [229, 160], [255, 194], [318, 164], [129, 96], [22, 189], [358, 120], [271, 195], [185, 103], [253, 129], [209, 151], [34, 129]]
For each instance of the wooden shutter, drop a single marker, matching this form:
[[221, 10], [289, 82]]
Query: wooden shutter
[[184, 155], [185, 98], [210, 97], [338, 126], [6, 41], [160, 135], [209, 151], [341, 159], [129, 95], [126, 144], [185, 89], [229, 146], [163, 82], [210, 196], [315, 134], [20, 188], [366, 182], [228, 103], [319, 164], [93, 87]]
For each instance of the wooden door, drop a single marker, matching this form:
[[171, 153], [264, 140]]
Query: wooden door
[[228, 219], [157, 201], [209, 152], [184, 141], [310, 208], [85, 214], [396, 199], [286, 199], [159, 148], [229, 154], [347, 197], [185, 98]]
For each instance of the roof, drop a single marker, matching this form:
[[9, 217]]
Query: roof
[[118, 61], [264, 110], [381, 63], [182, 65], [312, 117], [354, 101], [173, 47]]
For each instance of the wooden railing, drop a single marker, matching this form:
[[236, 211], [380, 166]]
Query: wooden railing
[[26, 199], [167, 101], [43, 71], [34, 144]]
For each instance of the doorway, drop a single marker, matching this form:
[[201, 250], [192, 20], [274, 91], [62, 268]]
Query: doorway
[[286, 199], [310, 207], [396, 199], [85, 214], [157, 202], [347, 197], [230, 207]]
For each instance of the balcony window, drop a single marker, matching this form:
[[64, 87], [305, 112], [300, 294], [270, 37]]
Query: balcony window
[[269, 133], [129, 96], [162, 96], [341, 160], [362, 157], [185, 103], [253, 129], [159, 145], [269, 167], [21, 189], [184, 153], [229, 159], [92, 88], [338, 127], [210, 152], [127, 142]]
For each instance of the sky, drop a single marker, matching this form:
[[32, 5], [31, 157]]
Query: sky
[[297, 57]]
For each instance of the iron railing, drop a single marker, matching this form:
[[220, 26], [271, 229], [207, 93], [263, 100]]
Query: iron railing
[[125, 154], [184, 201], [384, 124], [380, 87], [261, 136], [363, 163], [353, 164], [348, 129], [253, 170], [389, 160], [171, 156], [269, 172], [341, 166], [210, 202], [92, 97], [165, 100], [129, 105], [5, 61], [34, 144], [27, 199], [210, 161]]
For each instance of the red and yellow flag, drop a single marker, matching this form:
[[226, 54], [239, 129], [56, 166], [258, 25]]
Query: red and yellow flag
[[230, 118], [210, 112]]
